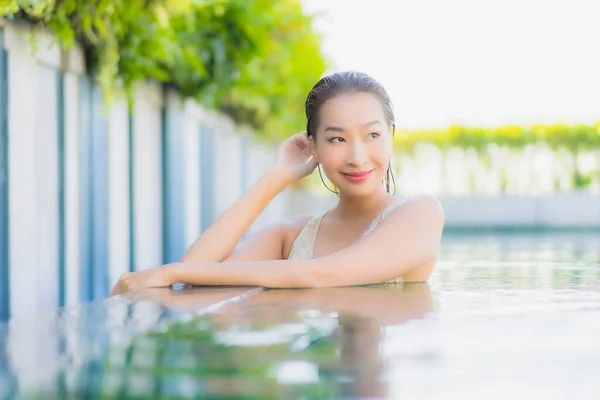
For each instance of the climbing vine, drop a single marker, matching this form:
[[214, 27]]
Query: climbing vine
[[254, 59]]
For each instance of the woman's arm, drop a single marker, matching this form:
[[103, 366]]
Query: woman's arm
[[217, 243], [406, 244], [220, 239]]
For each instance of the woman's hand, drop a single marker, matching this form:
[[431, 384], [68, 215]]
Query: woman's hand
[[134, 281], [294, 158]]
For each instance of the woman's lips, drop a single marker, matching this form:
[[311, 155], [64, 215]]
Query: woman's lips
[[357, 177]]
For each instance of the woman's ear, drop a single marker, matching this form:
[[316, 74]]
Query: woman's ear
[[313, 148]]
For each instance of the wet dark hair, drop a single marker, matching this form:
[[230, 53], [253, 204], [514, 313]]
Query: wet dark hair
[[340, 83], [347, 82]]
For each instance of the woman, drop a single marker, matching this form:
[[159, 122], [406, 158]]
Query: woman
[[368, 237]]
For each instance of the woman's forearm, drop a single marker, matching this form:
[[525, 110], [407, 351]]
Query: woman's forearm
[[219, 240], [273, 273]]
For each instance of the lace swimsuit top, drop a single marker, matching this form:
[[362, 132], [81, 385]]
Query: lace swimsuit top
[[303, 246]]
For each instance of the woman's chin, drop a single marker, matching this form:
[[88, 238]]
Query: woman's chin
[[361, 190]]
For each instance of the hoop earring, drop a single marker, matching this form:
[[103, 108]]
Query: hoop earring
[[324, 184], [389, 170], [389, 173]]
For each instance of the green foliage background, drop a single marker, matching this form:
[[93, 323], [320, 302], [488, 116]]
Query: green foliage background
[[253, 59], [574, 138]]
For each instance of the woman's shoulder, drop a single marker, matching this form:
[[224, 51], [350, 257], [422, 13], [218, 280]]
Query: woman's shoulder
[[420, 206], [426, 202]]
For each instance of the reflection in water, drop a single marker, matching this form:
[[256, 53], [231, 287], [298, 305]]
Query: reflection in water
[[313, 343], [505, 316], [342, 331], [318, 343]]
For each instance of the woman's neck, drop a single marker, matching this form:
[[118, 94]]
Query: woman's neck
[[349, 207]]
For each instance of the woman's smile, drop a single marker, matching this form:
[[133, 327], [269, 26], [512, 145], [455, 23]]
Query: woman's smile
[[357, 177]]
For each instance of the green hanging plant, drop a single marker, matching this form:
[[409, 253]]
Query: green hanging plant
[[254, 60]]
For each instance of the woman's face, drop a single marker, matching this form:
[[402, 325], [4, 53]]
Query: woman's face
[[353, 143]]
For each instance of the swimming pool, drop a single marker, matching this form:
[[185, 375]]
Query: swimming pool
[[512, 315]]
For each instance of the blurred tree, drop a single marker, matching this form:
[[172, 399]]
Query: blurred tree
[[255, 59]]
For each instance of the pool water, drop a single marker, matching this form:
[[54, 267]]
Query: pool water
[[513, 315]]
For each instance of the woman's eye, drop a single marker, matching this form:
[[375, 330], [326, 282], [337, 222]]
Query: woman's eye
[[374, 134], [336, 140]]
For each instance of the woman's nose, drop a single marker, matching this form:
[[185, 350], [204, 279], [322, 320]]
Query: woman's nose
[[357, 154]]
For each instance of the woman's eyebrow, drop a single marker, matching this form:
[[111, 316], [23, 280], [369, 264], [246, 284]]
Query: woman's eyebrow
[[339, 129], [374, 122], [334, 129]]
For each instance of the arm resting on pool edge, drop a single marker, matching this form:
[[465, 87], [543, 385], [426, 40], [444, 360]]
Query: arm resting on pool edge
[[405, 244]]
